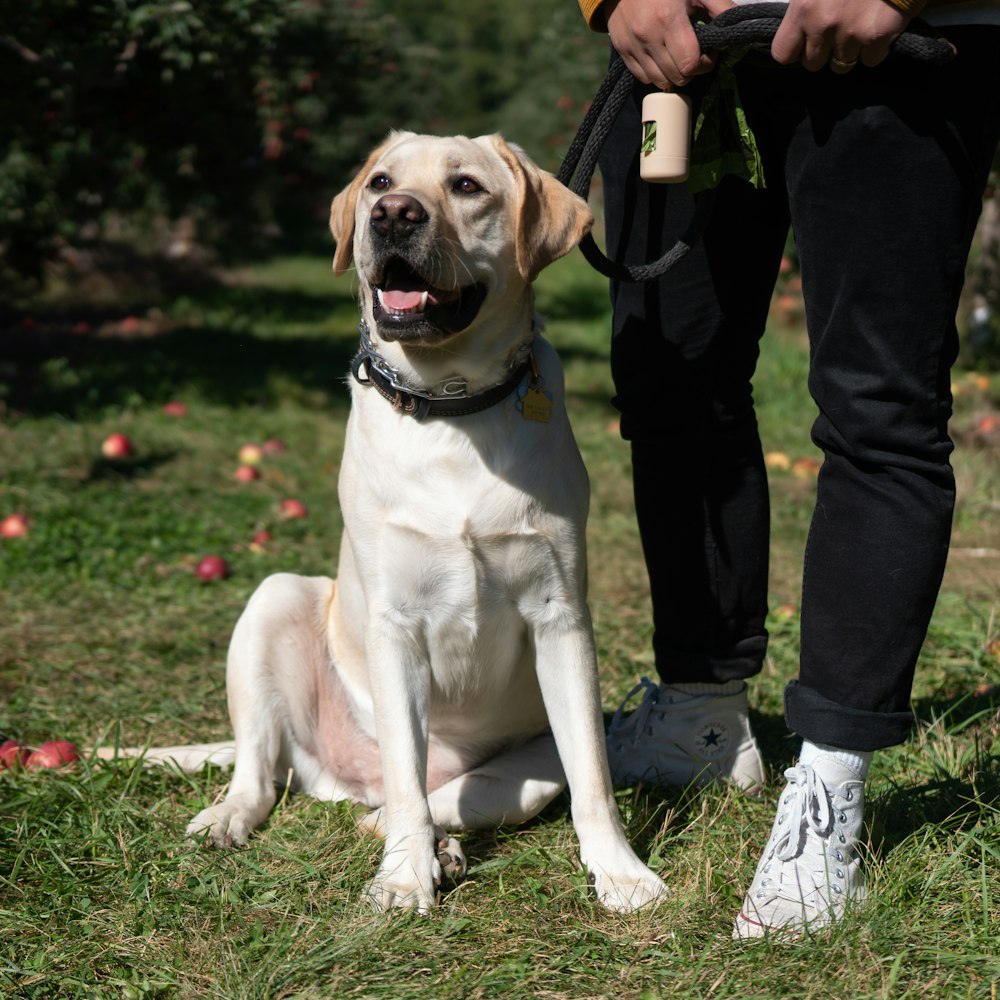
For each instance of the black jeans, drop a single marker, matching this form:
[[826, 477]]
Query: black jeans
[[880, 174]]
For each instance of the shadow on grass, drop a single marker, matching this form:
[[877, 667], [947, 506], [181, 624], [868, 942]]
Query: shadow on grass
[[51, 370], [778, 745], [966, 790], [646, 812], [83, 362], [228, 342], [127, 468], [947, 803]]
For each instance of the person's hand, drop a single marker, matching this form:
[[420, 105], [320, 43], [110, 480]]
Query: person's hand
[[656, 41], [837, 32]]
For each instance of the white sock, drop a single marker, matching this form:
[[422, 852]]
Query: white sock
[[856, 761], [680, 692]]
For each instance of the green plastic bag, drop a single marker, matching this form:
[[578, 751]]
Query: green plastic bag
[[723, 141]]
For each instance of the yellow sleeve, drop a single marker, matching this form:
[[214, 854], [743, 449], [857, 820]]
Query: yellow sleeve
[[592, 13], [911, 7]]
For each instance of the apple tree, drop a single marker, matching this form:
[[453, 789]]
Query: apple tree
[[120, 111]]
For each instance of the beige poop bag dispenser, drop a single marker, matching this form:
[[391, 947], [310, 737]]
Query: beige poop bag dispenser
[[666, 138]]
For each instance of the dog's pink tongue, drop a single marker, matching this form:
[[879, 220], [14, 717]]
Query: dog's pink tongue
[[399, 301]]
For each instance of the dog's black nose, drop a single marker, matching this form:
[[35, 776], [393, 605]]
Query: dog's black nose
[[397, 215]]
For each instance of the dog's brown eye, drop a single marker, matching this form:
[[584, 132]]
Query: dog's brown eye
[[466, 185], [380, 182]]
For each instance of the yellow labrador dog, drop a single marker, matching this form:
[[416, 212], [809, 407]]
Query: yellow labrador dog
[[448, 677]]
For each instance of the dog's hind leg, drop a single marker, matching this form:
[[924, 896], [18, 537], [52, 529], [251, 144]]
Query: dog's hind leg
[[277, 649], [505, 790]]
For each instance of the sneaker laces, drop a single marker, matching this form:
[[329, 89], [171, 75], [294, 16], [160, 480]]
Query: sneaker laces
[[810, 868], [809, 803], [640, 717]]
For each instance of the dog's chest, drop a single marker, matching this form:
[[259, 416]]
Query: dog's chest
[[463, 583], [464, 535], [467, 582]]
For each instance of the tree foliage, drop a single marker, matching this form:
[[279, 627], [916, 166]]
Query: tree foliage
[[236, 115], [238, 112]]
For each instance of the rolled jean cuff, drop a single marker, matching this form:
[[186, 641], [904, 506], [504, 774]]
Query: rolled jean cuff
[[820, 720]]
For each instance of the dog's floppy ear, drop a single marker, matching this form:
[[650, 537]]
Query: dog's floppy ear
[[343, 206], [549, 218]]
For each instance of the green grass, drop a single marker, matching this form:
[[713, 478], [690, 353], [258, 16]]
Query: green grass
[[106, 634]]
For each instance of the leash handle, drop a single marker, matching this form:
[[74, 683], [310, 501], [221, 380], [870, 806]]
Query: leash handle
[[751, 23], [746, 24]]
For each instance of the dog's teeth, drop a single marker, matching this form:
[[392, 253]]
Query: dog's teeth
[[423, 301]]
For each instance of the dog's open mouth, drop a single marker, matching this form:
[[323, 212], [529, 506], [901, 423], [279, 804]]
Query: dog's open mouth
[[407, 306]]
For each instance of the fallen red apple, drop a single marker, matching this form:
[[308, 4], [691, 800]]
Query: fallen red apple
[[292, 508], [117, 446], [251, 454], [272, 446], [787, 306], [988, 424], [130, 324], [246, 473], [13, 753], [175, 408], [259, 542], [54, 753], [14, 526], [212, 568]]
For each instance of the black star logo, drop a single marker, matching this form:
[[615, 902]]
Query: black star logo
[[712, 738]]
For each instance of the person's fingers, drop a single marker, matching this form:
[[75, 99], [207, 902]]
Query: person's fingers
[[844, 58], [838, 34], [788, 42], [715, 7], [816, 51], [657, 41]]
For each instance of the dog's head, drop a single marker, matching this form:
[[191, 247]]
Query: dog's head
[[440, 229]]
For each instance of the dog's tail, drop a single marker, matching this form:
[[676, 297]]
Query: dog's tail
[[192, 757]]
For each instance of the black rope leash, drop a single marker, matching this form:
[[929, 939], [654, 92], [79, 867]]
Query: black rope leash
[[747, 24]]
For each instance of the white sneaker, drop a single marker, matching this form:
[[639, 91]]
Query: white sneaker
[[681, 739], [810, 870]]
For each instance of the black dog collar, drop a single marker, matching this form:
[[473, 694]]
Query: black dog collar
[[419, 405]]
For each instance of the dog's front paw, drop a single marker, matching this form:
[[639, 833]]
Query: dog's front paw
[[625, 892], [399, 886], [412, 881], [225, 825]]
